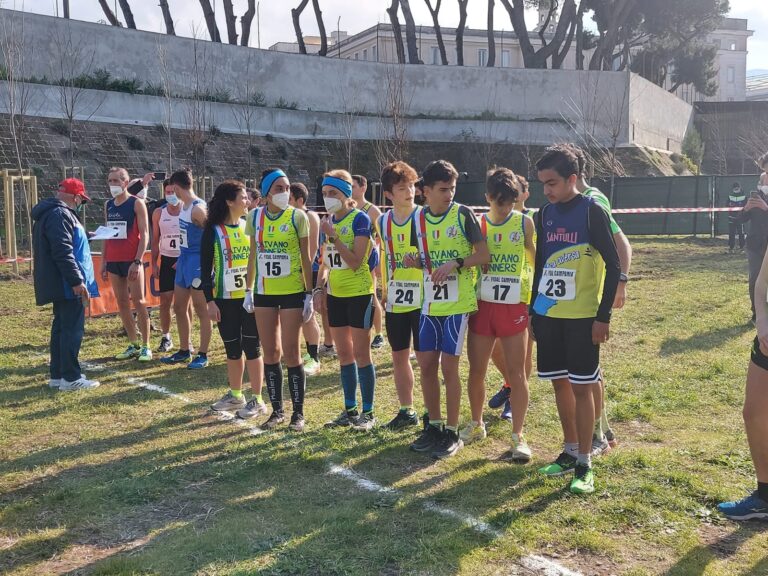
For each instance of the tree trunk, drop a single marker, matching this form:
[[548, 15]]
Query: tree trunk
[[516, 12], [460, 32], [231, 20], [210, 20], [245, 23], [169, 29], [438, 32], [491, 37], [580, 38], [392, 11], [111, 18], [410, 33], [559, 56], [296, 15], [127, 14], [618, 16], [321, 28], [66, 8], [538, 58]]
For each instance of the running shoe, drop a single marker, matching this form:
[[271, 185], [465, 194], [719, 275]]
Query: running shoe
[[611, 437], [54, 382], [365, 422], [199, 362], [583, 480], [521, 452], [377, 342], [750, 508], [448, 445], [600, 446], [506, 413], [345, 419], [297, 422], [473, 432], [145, 355], [428, 439], [327, 351], [564, 464], [311, 366], [79, 384], [252, 409], [274, 420], [165, 344], [402, 420], [177, 357], [132, 351], [500, 398], [229, 403]]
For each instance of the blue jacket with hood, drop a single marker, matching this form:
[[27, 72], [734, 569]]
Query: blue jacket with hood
[[61, 251]]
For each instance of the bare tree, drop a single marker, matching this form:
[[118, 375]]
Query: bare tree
[[620, 11], [210, 20], [393, 18], [231, 20], [350, 98], [245, 23], [435, 12], [296, 17], [245, 111], [491, 36], [321, 28], [394, 103], [127, 14], [165, 78], [460, 32], [169, 29], [410, 33], [111, 18], [197, 116]]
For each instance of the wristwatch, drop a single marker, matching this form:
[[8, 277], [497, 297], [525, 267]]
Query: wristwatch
[[137, 262], [460, 262], [623, 277]]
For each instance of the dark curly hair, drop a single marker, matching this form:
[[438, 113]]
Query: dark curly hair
[[218, 210]]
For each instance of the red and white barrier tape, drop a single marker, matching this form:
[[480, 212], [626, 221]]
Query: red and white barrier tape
[[671, 210], [12, 260]]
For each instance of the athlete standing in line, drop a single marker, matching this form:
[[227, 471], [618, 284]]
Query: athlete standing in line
[[123, 261], [281, 270], [345, 262], [402, 287], [224, 253], [188, 280], [450, 246], [502, 316]]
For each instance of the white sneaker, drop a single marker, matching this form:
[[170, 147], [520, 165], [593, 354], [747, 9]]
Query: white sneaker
[[54, 382], [473, 432], [311, 367], [79, 384], [600, 446], [521, 452]]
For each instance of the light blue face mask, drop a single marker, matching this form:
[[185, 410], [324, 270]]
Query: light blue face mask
[[172, 199]]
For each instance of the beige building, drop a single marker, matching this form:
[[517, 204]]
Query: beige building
[[377, 44]]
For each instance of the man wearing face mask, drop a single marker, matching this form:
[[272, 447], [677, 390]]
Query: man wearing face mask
[[64, 277], [122, 263], [165, 251], [756, 213]]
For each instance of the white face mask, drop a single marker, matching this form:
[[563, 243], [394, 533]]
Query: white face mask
[[172, 199], [281, 200], [333, 205], [115, 191], [764, 189]]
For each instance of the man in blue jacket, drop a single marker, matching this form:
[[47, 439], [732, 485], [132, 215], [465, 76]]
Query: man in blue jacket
[[64, 276]]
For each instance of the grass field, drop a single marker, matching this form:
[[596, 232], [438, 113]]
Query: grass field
[[125, 480]]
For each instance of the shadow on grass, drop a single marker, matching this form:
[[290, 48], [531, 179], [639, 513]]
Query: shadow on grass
[[696, 561], [704, 340]]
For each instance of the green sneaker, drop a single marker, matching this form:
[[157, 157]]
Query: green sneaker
[[564, 464], [583, 480], [145, 355], [132, 351]]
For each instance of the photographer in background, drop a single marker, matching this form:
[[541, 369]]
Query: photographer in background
[[756, 213]]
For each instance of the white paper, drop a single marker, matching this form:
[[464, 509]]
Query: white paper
[[106, 233]]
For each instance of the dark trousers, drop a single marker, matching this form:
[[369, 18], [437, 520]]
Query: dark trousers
[[733, 230], [66, 336]]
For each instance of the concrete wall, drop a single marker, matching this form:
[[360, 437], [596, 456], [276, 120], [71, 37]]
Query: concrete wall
[[657, 118], [550, 97]]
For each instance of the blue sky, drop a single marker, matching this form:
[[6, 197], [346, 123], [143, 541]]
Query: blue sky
[[355, 16]]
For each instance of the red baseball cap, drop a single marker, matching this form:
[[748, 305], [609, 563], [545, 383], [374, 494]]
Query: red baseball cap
[[73, 186]]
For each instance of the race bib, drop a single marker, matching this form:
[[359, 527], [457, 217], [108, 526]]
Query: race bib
[[558, 284], [183, 238], [170, 242], [333, 259], [274, 265], [234, 278], [121, 229], [403, 293], [500, 289], [448, 291]]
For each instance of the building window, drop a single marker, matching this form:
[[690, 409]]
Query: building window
[[733, 45], [374, 54], [482, 57], [435, 55], [357, 55], [731, 75], [365, 54], [505, 58]]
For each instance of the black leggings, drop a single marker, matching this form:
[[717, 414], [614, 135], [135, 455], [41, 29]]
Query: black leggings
[[238, 330]]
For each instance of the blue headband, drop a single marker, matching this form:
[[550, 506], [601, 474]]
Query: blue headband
[[341, 185], [269, 179]]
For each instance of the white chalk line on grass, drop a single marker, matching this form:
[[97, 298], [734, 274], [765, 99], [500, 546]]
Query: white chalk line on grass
[[534, 562]]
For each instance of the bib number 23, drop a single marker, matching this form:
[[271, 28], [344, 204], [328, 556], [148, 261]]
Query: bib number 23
[[558, 284]]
